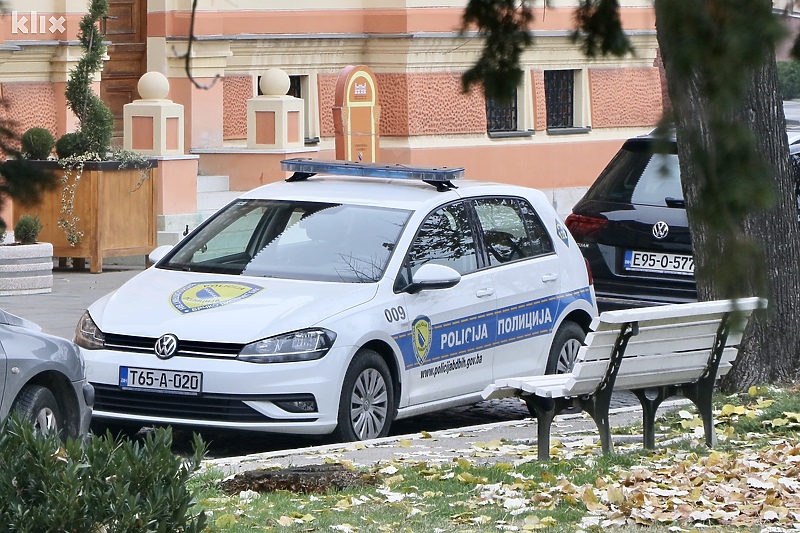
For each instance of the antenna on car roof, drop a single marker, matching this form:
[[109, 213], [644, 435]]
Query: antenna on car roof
[[439, 177]]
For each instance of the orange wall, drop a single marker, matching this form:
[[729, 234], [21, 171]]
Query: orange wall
[[624, 97], [29, 105], [202, 111], [343, 21], [236, 90], [542, 166]]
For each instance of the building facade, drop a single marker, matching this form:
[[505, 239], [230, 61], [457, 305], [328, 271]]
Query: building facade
[[570, 114]]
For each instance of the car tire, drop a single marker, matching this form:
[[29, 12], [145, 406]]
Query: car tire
[[38, 405], [567, 341], [366, 405]]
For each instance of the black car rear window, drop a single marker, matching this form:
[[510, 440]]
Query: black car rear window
[[637, 176]]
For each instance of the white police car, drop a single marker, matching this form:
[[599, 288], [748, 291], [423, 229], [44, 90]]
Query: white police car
[[340, 300]]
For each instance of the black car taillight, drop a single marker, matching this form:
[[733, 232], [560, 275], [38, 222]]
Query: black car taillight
[[582, 226]]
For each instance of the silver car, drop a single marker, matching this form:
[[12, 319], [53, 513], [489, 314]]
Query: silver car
[[43, 378]]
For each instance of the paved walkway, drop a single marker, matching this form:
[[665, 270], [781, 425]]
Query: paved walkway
[[506, 442]]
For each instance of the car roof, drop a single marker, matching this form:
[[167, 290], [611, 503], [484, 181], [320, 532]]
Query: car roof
[[382, 192], [792, 133]]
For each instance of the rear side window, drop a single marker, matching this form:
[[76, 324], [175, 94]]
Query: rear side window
[[511, 230], [636, 175]]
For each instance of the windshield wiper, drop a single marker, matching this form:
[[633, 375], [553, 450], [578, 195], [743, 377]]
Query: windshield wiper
[[675, 202]]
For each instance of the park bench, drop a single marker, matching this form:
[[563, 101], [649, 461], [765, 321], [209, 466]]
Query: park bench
[[654, 352]]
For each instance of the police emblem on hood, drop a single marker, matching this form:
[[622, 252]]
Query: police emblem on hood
[[208, 295]]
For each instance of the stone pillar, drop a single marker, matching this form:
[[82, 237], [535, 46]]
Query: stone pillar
[[275, 120], [154, 124]]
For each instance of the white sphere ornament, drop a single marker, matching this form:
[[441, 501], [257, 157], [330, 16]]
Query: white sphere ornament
[[274, 82], [153, 86]]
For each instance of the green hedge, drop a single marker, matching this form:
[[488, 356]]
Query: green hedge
[[789, 79], [100, 484]]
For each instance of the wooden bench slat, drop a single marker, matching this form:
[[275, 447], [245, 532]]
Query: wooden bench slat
[[677, 310], [642, 365]]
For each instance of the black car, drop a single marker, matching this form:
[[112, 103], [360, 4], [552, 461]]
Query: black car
[[631, 226]]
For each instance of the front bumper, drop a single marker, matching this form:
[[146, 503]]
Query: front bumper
[[84, 392], [235, 394]]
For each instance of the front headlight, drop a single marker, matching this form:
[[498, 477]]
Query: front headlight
[[303, 345], [87, 334]]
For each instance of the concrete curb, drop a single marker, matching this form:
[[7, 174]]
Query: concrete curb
[[493, 442]]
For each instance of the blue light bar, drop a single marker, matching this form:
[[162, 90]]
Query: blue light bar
[[308, 167]]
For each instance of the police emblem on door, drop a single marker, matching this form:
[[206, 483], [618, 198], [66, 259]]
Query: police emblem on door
[[421, 333]]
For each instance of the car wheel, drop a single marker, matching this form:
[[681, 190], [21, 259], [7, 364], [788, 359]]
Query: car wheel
[[37, 405], [564, 350], [366, 406]]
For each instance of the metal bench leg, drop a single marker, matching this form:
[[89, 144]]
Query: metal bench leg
[[545, 409], [598, 405], [649, 408], [700, 393]]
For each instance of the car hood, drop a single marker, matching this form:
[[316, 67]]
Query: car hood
[[221, 308]]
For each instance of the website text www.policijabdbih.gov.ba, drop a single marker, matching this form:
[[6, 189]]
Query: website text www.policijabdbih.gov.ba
[[445, 367]]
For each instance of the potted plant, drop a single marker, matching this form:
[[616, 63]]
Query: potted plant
[[105, 205], [26, 266]]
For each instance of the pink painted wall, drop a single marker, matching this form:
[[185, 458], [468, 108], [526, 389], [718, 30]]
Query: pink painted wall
[[625, 97], [236, 91], [176, 186], [202, 111]]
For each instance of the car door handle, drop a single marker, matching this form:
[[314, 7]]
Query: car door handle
[[547, 278], [483, 293]]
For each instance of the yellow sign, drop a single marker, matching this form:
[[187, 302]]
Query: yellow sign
[[208, 295]]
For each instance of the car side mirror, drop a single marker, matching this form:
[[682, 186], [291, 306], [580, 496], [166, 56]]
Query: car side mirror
[[159, 253], [432, 276]]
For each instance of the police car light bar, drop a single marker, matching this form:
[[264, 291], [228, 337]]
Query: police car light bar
[[304, 168]]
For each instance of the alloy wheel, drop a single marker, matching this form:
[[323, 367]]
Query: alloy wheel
[[369, 404]]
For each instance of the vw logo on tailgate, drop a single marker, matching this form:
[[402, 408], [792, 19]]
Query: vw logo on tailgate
[[660, 229], [166, 346]]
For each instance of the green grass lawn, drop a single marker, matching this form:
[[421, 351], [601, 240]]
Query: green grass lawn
[[749, 482]]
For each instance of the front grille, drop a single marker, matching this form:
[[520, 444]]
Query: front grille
[[204, 407], [129, 343]]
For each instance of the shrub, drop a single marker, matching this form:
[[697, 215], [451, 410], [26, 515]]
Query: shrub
[[100, 484], [37, 143], [789, 79], [71, 144], [27, 229], [96, 121]]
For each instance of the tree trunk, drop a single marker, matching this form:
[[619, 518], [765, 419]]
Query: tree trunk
[[769, 351]]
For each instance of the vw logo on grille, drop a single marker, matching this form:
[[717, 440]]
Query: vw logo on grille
[[660, 229], [166, 346]]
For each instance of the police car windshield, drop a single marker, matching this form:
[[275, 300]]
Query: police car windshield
[[293, 240]]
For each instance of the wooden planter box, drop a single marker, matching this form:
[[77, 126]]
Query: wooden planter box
[[116, 218]]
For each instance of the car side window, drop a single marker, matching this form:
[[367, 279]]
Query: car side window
[[541, 244], [445, 238], [508, 234]]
